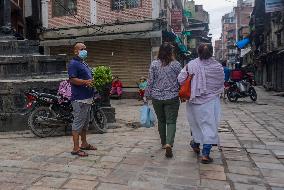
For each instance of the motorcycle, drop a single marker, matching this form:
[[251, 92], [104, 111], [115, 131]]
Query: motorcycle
[[49, 112], [241, 89]]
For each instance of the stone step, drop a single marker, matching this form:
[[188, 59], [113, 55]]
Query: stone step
[[26, 66], [19, 47]]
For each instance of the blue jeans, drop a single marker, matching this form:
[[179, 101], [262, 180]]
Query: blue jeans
[[206, 148]]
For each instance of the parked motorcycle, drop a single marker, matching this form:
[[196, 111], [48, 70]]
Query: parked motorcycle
[[49, 112], [242, 88]]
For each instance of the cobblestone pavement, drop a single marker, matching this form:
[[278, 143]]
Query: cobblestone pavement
[[252, 156]]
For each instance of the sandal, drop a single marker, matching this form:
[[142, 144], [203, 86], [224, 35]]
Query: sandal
[[80, 153], [169, 151], [89, 147], [195, 147], [206, 160]]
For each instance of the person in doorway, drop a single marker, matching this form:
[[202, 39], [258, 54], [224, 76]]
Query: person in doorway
[[82, 96], [142, 85], [163, 88], [204, 109], [116, 87]]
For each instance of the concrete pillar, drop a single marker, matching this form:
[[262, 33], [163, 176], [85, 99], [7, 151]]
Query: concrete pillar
[[156, 7], [6, 13], [44, 13], [93, 11], [6, 32]]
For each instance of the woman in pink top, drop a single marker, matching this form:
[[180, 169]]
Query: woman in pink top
[[203, 108]]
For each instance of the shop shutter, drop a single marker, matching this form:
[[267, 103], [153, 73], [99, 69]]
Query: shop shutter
[[128, 59]]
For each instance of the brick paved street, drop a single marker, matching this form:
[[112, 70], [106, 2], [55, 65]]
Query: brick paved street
[[252, 140]]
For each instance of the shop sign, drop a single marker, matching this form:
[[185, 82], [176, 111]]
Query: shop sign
[[176, 20]]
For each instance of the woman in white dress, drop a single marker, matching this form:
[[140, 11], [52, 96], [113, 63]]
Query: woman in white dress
[[204, 109]]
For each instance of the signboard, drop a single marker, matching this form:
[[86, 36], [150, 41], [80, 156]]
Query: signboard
[[274, 5], [176, 20]]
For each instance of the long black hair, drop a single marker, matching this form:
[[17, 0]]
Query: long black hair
[[166, 53]]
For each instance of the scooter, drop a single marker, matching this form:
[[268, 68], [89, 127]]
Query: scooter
[[242, 89]]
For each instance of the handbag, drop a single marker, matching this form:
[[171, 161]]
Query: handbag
[[185, 89]]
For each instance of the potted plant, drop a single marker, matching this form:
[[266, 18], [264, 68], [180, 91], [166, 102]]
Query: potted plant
[[102, 76]]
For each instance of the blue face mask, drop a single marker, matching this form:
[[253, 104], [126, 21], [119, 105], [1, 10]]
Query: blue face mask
[[83, 54]]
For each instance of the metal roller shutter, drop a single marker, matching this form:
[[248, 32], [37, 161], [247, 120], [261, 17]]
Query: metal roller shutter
[[128, 59]]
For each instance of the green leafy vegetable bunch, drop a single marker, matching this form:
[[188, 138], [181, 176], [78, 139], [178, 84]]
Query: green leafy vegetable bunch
[[102, 76]]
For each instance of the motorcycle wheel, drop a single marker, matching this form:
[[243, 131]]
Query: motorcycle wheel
[[99, 121], [252, 94], [35, 126], [232, 96]]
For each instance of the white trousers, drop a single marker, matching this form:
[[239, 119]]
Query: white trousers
[[204, 121]]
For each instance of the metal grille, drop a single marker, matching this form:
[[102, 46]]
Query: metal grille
[[121, 4], [133, 3], [118, 4]]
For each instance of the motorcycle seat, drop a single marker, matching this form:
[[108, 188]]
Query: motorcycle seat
[[53, 97]]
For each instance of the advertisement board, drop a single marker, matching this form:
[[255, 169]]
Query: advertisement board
[[274, 6]]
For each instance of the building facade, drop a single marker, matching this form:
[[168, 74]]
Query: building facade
[[124, 35], [228, 38], [235, 27], [267, 35], [218, 50], [197, 26], [21, 17]]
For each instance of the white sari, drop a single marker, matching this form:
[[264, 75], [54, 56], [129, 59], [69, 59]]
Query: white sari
[[204, 121]]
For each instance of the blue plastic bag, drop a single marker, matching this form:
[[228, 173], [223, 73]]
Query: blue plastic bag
[[147, 117]]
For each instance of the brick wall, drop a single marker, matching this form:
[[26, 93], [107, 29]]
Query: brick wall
[[83, 13], [105, 14]]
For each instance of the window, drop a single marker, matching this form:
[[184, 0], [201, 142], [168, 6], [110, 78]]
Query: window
[[64, 7], [128, 4]]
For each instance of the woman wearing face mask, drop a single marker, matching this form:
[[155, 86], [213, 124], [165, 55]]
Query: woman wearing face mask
[[80, 76]]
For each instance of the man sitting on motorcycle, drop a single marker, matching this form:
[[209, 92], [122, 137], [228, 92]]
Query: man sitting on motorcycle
[[82, 96]]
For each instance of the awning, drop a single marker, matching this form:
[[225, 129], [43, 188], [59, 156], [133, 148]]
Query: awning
[[181, 46], [241, 44], [174, 38], [136, 35], [170, 35]]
